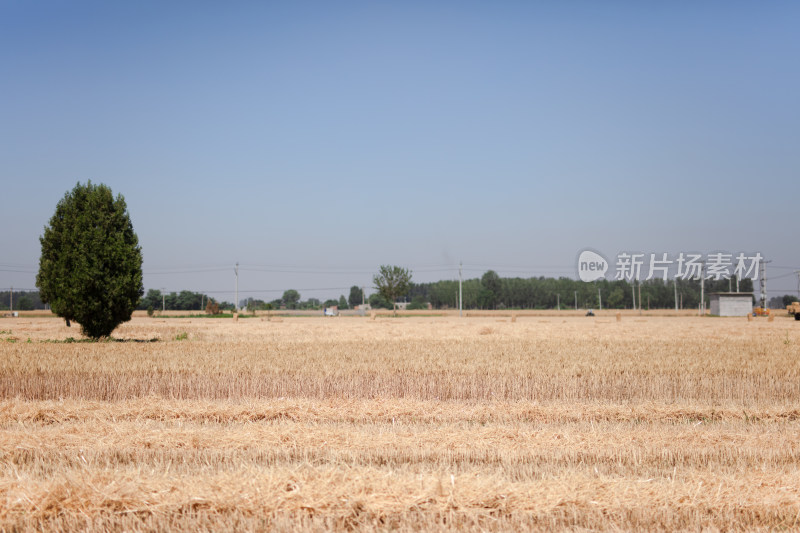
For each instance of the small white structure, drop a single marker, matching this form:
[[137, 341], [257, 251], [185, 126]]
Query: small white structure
[[731, 303]]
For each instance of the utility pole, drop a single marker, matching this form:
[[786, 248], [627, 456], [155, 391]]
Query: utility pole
[[764, 284], [558, 301], [798, 283], [737, 284], [460, 293], [702, 288], [202, 297], [163, 300], [11, 300], [236, 270], [576, 300], [599, 300], [675, 284], [633, 295], [640, 296]]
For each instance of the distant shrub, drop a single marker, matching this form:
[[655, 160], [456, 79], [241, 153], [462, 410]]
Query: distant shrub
[[417, 303]]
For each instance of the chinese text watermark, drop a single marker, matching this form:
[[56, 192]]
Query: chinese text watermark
[[638, 266]]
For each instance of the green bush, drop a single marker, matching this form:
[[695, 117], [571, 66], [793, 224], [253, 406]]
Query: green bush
[[376, 301], [417, 303]]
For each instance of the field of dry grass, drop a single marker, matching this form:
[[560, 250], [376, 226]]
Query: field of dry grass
[[481, 423]]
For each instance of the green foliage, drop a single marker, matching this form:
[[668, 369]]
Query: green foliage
[[290, 299], [150, 311], [788, 299], [342, 302], [546, 293], [311, 303], [22, 300], [356, 296], [182, 336], [491, 288], [252, 305], [615, 299], [151, 299], [90, 270], [417, 303], [392, 282], [486, 298], [377, 301], [25, 303], [182, 301]]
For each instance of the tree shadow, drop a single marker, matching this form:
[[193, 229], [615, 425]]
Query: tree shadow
[[72, 340]]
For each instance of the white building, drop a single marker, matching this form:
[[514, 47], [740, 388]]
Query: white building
[[731, 303]]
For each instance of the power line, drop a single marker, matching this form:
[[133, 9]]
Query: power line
[[311, 270], [296, 269], [790, 274], [187, 271], [276, 290], [17, 265]]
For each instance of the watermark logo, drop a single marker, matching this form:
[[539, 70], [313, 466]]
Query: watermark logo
[[638, 266], [591, 266]]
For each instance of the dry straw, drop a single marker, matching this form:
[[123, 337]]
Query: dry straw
[[410, 423]]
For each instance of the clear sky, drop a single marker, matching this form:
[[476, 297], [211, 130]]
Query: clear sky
[[313, 141]]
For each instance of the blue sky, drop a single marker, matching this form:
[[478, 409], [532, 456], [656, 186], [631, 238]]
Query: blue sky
[[313, 141]]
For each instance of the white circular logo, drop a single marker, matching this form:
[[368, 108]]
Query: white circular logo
[[591, 266]]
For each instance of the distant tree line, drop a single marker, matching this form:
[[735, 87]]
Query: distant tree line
[[487, 292], [196, 301], [23, 300], [291, 299], [178, 301], [493, 292], [780, 302]]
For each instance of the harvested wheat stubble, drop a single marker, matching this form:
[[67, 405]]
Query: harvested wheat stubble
[[410, 424]]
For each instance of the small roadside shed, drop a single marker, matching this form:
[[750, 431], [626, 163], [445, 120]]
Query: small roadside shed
[[731, 303]]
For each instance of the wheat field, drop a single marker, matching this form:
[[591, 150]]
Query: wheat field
[[485, 423]]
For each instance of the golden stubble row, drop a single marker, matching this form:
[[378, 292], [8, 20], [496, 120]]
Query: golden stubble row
[[630, 438], [404, 463]]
